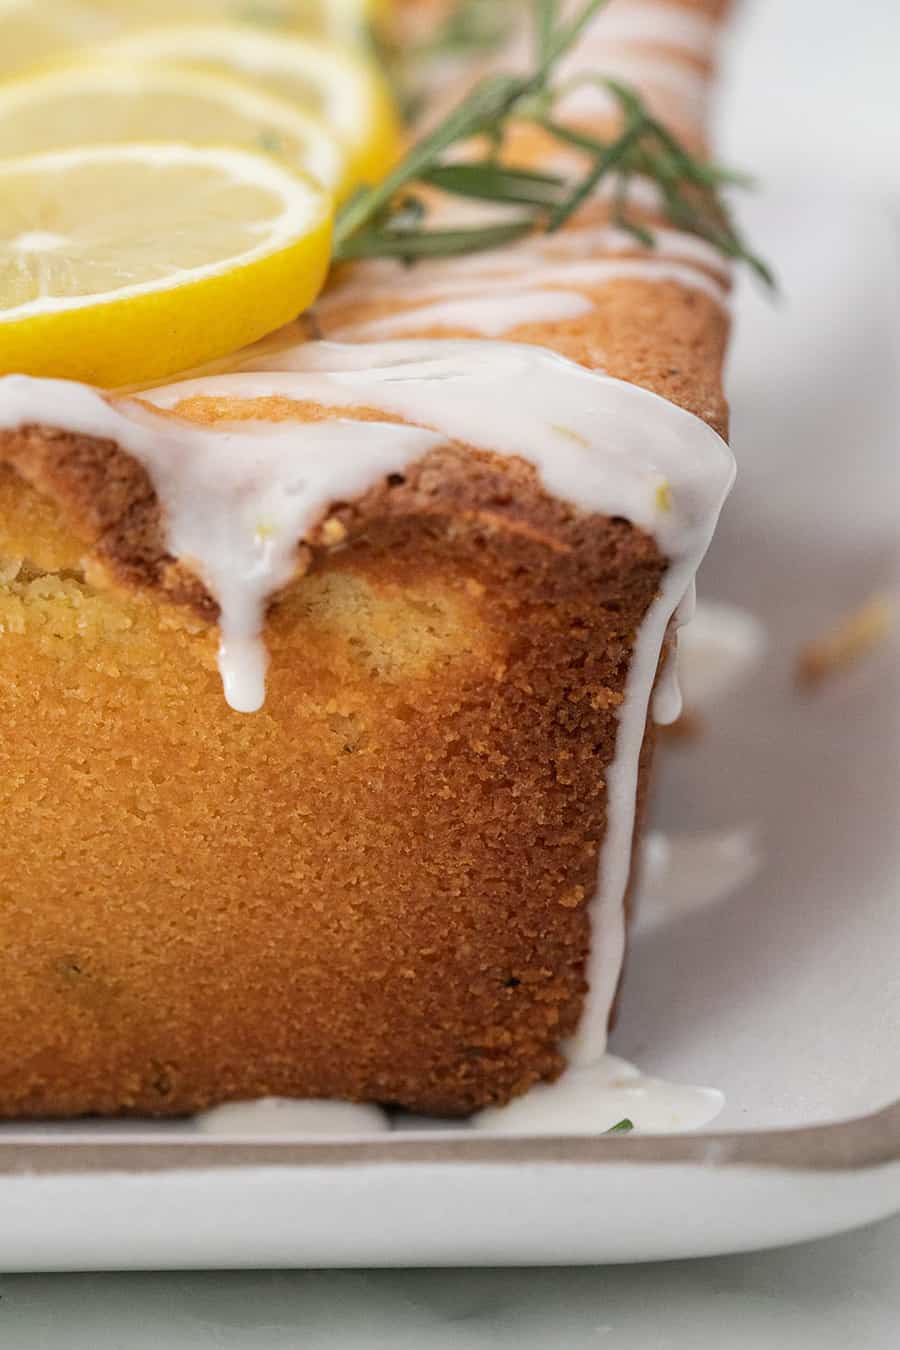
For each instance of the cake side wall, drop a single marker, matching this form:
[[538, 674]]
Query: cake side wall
[[376, 888]]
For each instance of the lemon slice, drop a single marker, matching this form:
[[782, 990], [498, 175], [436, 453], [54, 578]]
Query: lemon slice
[[91, 103], [125, 264], [345, 89], [30, 33], [341, 19], [33, 31]]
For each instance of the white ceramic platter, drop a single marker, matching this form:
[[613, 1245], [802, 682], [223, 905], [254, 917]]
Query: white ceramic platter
[[779, 987]]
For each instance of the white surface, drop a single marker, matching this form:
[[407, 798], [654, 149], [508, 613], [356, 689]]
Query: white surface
[[843, 1294], [438, 1213], [814, 83]]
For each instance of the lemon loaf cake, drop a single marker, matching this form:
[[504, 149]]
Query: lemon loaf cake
[[327, 674]]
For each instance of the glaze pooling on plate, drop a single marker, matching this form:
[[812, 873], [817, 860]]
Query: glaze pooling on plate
[[583, 1102], [283, 1118], [594, 1099]]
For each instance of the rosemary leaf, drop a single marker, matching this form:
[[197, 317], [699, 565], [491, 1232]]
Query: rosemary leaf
[[640, 233], [611, 156], [628, 100], [413, 244], [490, 181], [569, 136], [545, 19]]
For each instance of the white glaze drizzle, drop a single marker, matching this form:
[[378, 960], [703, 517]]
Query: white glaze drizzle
[[237, 500], [657, 25], [664, 84], [687, 610], [547, 262], [538, 280], [501, 304], [603, 444], [537, 253], [668, 700], [668, 703], [650, 46], [490, 315]]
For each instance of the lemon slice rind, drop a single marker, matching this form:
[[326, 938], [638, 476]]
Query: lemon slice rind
[[149, 328]]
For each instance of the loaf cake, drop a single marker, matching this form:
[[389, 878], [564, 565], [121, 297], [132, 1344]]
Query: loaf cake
[[435, 539]]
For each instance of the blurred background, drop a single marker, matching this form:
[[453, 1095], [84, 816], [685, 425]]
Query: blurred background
[[815, 85]]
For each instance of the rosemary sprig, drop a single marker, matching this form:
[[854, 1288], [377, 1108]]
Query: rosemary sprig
[[410, 245], [486, 111], [689, 187], [388, 221], [544, 25]]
